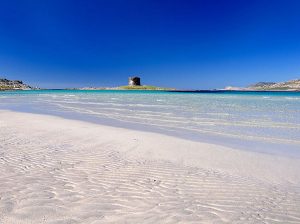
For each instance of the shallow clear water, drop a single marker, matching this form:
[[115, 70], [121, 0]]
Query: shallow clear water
[[268, 122]]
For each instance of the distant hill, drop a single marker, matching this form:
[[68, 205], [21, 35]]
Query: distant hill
[[6, 84], [262, 85], [293, 85]]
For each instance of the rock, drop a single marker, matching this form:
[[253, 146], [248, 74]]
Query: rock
[[289, 85], [6, 84]]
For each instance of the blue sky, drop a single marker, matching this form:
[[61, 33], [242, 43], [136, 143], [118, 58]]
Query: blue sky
[[184, 44]]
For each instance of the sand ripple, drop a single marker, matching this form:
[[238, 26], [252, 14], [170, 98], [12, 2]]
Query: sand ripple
[[61, 179]]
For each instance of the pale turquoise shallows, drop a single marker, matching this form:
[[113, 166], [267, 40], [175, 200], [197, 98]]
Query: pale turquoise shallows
[[267, 122]]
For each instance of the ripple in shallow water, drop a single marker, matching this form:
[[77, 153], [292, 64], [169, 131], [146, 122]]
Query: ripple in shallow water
[[256, 118]]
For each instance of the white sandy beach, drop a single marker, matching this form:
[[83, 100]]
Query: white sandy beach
[[54, 170]]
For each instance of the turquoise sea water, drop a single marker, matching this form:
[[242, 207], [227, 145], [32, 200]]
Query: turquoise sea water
[[267, 122]]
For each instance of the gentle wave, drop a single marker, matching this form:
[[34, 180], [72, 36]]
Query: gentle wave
[[253, 117]]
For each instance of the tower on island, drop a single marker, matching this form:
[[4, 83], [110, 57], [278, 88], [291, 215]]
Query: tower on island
[[134, 81]]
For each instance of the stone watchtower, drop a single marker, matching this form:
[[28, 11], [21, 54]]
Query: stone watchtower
[[134, 81]]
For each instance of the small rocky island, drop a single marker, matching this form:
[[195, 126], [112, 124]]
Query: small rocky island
[[6, 84], [134, 83]]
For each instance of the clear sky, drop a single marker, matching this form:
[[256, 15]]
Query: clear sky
[[185, 44]]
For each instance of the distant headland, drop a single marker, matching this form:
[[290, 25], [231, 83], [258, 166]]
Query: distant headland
[[134, 83], [292, 85], [6, 84]]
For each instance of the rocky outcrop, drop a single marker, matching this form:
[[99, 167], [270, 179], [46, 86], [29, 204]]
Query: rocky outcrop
[[6, 84], [262, 85], [293, 85]]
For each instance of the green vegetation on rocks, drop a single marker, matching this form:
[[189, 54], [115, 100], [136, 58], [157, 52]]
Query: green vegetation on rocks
[[6, 84], [146, 87]]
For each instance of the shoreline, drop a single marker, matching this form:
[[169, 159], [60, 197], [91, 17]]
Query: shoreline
[[277, 148], [214, 150], [159, 90], [50, 164]]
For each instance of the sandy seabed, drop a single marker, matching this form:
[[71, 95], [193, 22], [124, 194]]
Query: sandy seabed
[[59, 171]]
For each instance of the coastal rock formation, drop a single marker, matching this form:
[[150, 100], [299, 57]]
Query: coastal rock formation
[[293, 85], [262, 85], [6, 84], [134, 81]]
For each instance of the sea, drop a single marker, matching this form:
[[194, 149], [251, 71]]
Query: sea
[[265, 122]]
